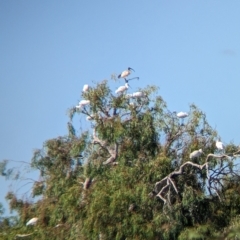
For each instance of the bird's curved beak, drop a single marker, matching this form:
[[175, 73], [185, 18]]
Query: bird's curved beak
[[132, 69]]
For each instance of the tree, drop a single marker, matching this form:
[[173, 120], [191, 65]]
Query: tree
[[130, 176]]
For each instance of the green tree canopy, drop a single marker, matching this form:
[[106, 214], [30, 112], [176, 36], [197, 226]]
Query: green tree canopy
[[130, 175]]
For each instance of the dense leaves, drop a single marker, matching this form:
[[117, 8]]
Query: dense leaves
[[130, 176]]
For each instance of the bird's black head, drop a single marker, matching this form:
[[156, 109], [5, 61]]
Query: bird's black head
[[131, 69]]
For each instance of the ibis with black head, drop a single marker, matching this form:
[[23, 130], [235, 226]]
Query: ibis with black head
[[126, 73]]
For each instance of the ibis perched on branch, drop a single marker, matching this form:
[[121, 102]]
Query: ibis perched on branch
[[83, 103], [138, 94], [122, 89], [196, 154], [32, 221], [182, 114], [219, 146], [85, 88], [125, 73]]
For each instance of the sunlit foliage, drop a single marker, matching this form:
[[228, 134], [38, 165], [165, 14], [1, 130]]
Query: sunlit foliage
[[121, 178]]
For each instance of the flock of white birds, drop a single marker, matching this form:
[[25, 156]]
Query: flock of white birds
[[121, 90], [197, 153]]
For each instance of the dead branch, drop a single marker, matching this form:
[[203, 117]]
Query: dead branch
[[163, 187], [23, 235], [113, 151], [87, 183]]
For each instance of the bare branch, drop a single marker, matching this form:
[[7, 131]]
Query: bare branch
[[113, 151], [23, 235], [87, 183], [217, 175]]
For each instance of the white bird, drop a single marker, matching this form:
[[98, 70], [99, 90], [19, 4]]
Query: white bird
[[83, 103], [32, 221], [219, 145], [138, 95], [125, 73], [195, 154], [85, 88], [122, 89], [182, 114]]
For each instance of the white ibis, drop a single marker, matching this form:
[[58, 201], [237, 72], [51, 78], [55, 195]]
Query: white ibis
[[182, 114], [85, 88], [83, 103], [32, 221], [219, 145], [122, 89], [125, 73], [196, 154], [138, 95]]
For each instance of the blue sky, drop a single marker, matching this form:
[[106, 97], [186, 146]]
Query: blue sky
[[49, 49]]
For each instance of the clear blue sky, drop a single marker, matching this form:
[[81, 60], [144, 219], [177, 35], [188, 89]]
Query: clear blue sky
[[49, 49]]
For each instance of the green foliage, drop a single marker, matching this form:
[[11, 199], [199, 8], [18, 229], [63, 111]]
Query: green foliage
[[82, 195]]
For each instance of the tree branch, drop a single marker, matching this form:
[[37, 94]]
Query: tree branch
[[161, 187], [113, 151]]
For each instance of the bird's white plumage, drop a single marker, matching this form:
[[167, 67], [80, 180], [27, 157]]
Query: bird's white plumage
[[182, 114], [122, 89], [125, 73], [32, 221], [85, 88], [195, 154], [219, 145], [82, 103], [138, 95]]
